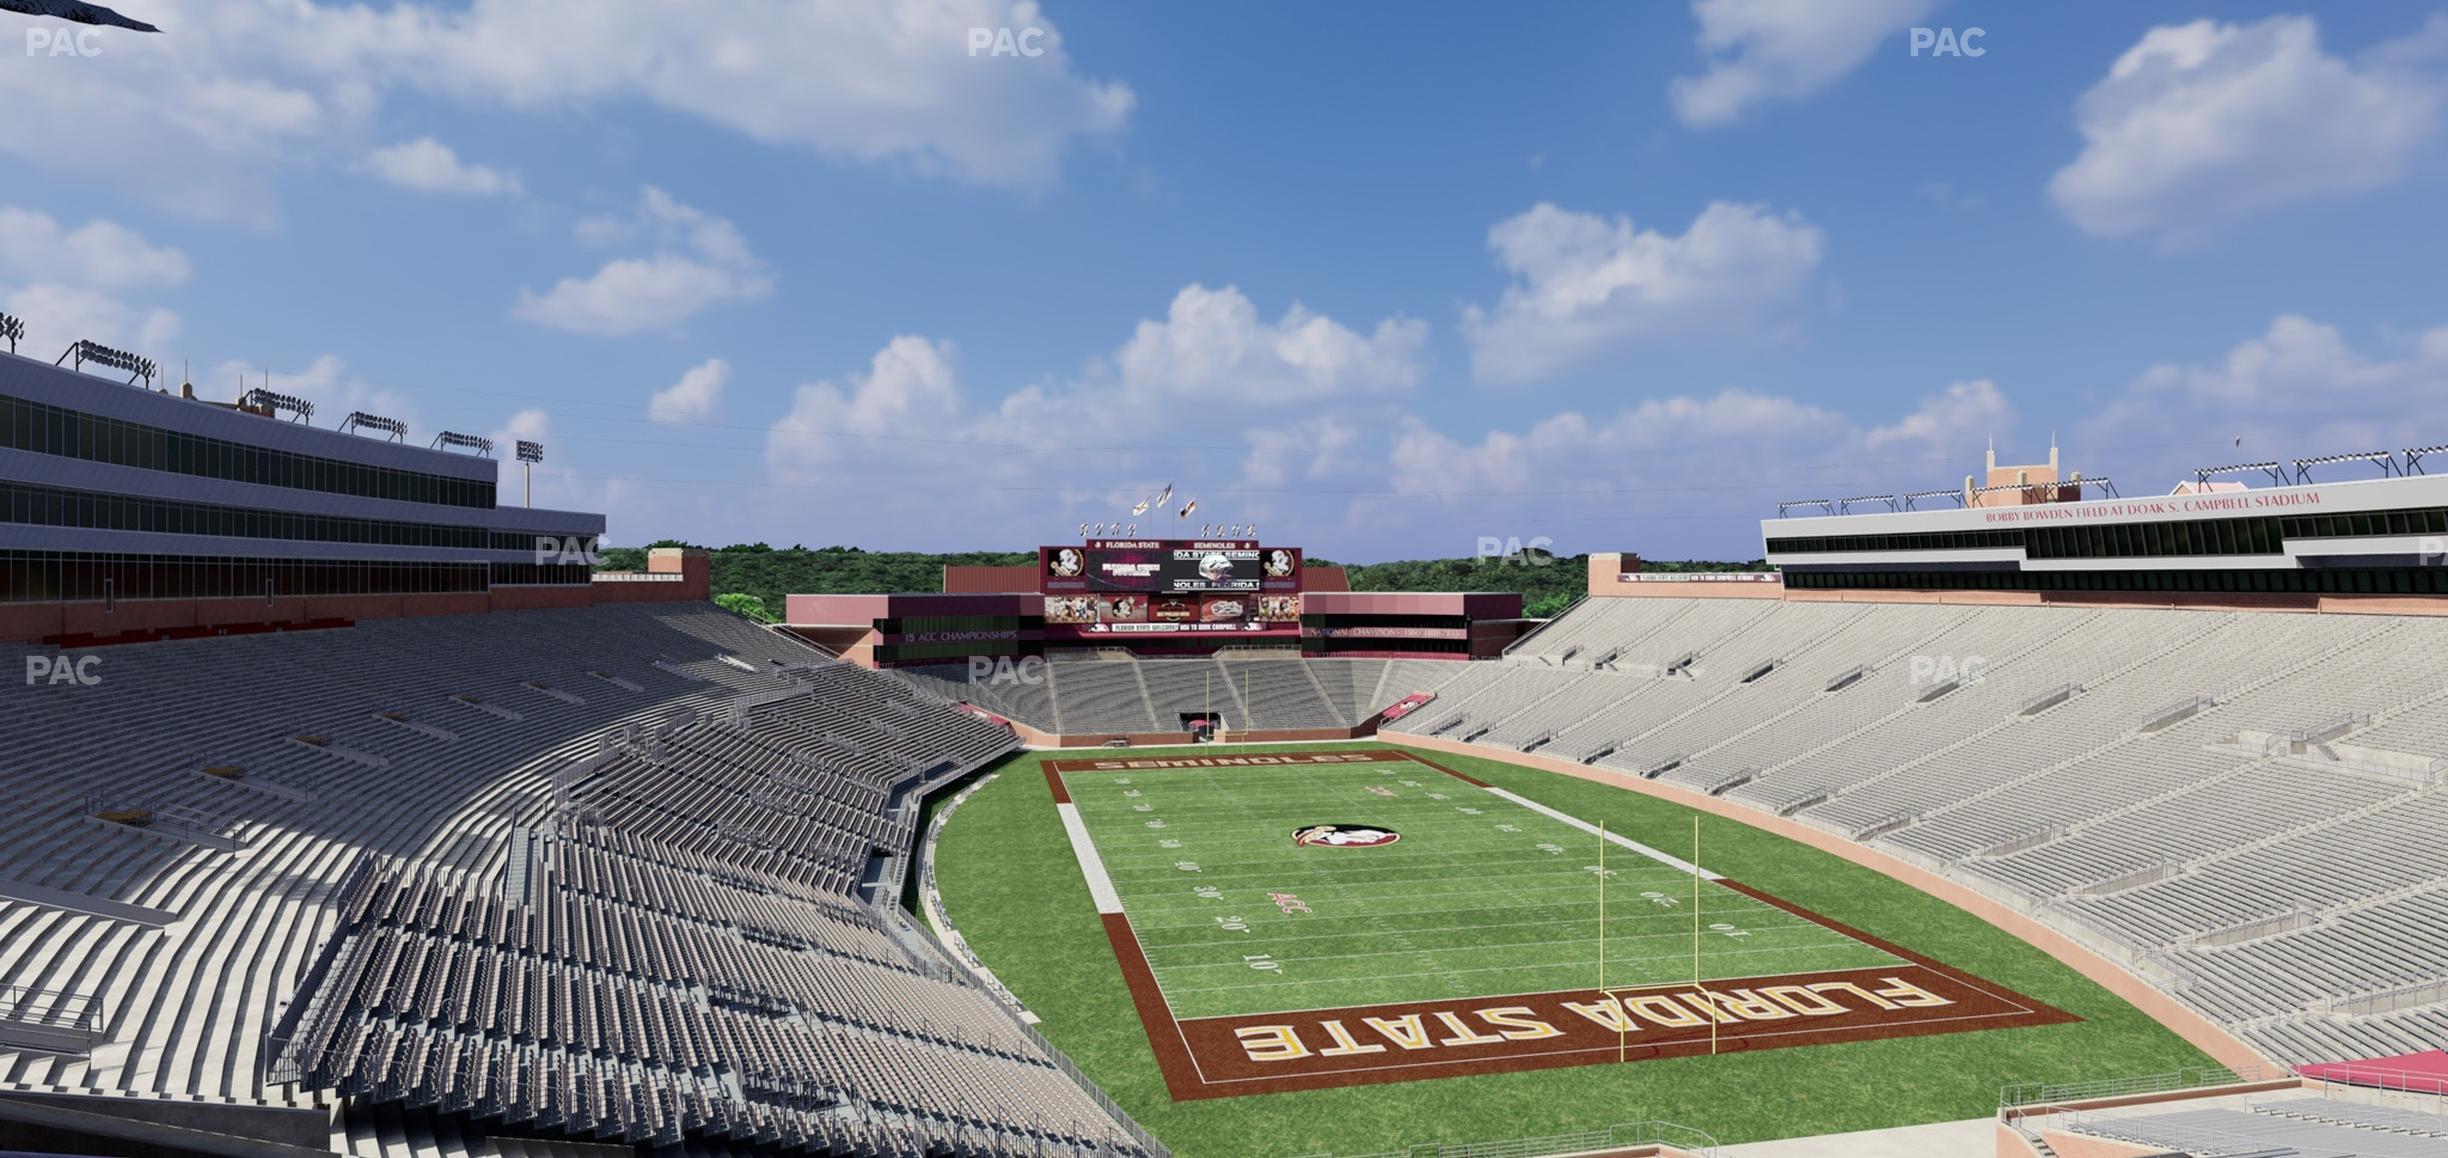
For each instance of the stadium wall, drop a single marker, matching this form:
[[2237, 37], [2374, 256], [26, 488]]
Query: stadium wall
[[1607, 580], [2179, 1019], [1039, 738], [672, 576]]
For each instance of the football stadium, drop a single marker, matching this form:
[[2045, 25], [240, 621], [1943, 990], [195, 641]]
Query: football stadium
[[685, 579], [356, 810]]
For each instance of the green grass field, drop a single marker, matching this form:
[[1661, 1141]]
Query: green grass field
[[1479, 896], [1009, 880]]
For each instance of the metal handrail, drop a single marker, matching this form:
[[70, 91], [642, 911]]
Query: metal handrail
[[1550, 621]]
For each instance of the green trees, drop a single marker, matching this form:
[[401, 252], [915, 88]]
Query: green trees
[[740, 603]]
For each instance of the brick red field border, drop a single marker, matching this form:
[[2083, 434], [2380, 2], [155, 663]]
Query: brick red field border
[[1263, 1053]]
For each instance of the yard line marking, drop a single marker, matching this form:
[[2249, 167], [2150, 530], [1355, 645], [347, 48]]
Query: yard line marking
[[1572, 963], [1100, 886], [1612, 838]]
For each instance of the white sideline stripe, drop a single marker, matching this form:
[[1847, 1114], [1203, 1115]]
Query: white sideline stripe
[[1091, 865], [1677, 863]]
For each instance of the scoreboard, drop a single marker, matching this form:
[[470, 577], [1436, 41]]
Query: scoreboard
[[1127, 586]]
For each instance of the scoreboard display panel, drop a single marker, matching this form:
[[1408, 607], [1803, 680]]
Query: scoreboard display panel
[[1167, 567], [1172, 570]]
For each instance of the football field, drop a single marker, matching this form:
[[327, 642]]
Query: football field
[[1296, 920]]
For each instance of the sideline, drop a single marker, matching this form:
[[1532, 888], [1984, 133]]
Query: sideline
[[930, 901]]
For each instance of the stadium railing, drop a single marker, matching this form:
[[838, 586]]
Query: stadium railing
[[2061, 1103], [2023, 1094], [1686, 1139], [1551, 621], [2338, 1074]]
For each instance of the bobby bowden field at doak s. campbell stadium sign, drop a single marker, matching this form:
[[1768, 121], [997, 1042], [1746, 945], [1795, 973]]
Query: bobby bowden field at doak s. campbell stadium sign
[[1305, 920]]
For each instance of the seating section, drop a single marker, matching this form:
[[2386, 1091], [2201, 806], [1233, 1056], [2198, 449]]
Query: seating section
[[627, 873], [2305, 1127], [2244, 807], [1111, 691]]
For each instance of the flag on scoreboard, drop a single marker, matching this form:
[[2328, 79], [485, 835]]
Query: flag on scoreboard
[[1164, 496], [1141, 509], [1186, 511]]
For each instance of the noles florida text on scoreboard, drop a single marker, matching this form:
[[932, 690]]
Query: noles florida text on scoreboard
[[1123, 586]]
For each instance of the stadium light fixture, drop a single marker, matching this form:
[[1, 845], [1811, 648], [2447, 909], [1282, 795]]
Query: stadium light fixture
[[273, 403], [12, 329], [2386, 461], [1845, 506], [1826, 506], [2201, 475], [1945, 494], [360, 420], [529, 454], [1083, 530], [477, 443], [2101, 482], [2414, 456], [104, 356]]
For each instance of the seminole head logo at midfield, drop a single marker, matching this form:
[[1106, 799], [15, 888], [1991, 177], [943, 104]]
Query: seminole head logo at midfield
[[1344, 836]]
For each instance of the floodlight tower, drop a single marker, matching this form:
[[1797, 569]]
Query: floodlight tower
[[529, 454]]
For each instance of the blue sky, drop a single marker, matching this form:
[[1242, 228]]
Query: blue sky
[[1382, 279]]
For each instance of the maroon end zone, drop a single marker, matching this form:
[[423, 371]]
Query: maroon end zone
[[1263, 1053]]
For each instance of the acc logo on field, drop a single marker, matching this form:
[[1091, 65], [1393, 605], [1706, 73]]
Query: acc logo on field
[[1344, 835]]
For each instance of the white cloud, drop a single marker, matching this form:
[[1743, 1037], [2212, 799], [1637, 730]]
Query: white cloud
[[701, 261], [1300, 392], [1295, 453], [1945, 195], [1584, 283], [1212, 344], [2296, 390], [909, 389], [1953, 417], [1684, 469], [66, 283], [531, 424], [2198, 126], [99, 254], [429, 166], [695, 396], [327, 382], [57, 316], [241, 90], [1763, 51]]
